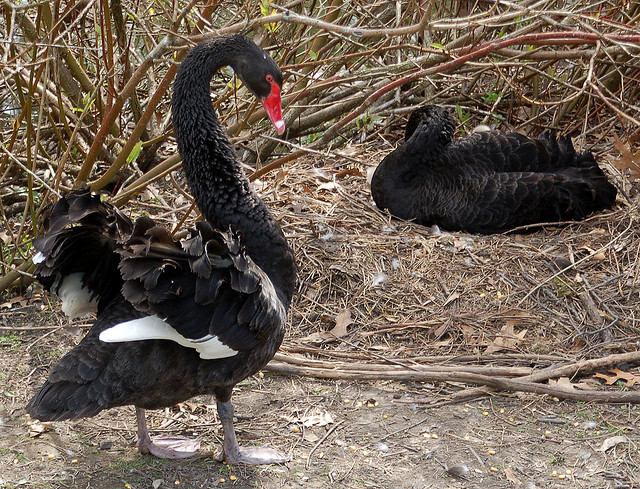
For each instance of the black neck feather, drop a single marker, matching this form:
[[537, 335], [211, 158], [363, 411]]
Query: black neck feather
[[218, 183]]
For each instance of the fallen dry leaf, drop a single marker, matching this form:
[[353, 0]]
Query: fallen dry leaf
[[343, 320], [468, 332], [441, 330], [612, 442], [20, 301], [566, 384], [451, 298], [354, 172], [36, 429], [317, 420], [628, 160], [629, 378], [507, 339], [511, 476]]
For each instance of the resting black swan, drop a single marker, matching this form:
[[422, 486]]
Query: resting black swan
[[174, 319], [487, 182]]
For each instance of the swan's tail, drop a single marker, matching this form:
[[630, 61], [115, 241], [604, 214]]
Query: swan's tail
[[589, 191], [564, 154]]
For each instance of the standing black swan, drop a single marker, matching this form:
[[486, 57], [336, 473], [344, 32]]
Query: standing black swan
[[488, 182], [174, 319]]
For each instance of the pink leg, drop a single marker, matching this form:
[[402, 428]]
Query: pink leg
[[233, 454], [163, 446]]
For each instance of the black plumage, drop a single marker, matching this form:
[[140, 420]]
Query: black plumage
[[224, 290], [487, 182]]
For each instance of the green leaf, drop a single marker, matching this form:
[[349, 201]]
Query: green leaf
[[135, 152], [264, 7], [437, 45]]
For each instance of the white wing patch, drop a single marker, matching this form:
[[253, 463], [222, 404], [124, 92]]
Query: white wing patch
[[153, 328], [76, 299], [38, 258]]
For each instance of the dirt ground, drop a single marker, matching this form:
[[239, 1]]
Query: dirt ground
[[411, 294], [377, 434]]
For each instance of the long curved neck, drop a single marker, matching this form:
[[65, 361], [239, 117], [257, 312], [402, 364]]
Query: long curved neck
[[218, 183]]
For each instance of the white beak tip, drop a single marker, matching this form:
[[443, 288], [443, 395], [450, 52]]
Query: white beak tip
[[279, 126]]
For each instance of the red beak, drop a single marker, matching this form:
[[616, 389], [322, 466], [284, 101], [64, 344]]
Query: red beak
[[273, 106]]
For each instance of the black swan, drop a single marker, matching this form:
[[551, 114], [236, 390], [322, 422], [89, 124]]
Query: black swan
[[174, 319], [487, 182]]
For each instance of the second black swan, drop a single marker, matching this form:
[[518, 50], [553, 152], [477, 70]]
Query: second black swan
[[174, 319], [487, 182]]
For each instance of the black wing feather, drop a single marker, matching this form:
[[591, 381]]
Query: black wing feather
[[204, 285]]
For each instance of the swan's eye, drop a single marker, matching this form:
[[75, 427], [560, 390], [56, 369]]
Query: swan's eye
[[269, 78]]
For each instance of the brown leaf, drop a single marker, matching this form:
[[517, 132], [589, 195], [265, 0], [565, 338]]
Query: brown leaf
[[511, 476], [629, 378], [564, 383], [343, 320], [441, 330], [627, 161], [317, 420], [468, 331], [451, 298], [354, 172], [507, 339], [20, 301], [612, 442], [36, 429]]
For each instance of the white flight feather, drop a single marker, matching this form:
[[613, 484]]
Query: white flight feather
[[154, 328], [76, 299]]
